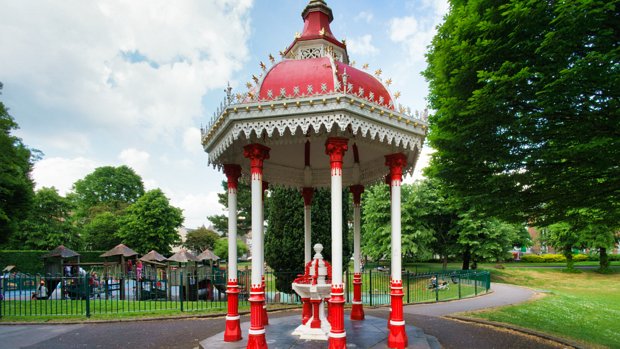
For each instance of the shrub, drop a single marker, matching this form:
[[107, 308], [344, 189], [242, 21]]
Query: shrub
[[531, 258], [614, 257], [580, 258], [553, 258]]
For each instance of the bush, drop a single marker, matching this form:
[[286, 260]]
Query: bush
[[580, 258], [614, 257], [553, 258], [531, 258]]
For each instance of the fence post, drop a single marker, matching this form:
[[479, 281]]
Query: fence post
[[475, 283], [460, 281], [370, 285], [347, 283], [87, 293], [408, 276], [181, 289], [436, 287]]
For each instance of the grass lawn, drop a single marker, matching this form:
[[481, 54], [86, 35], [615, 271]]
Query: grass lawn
[[581, 306]]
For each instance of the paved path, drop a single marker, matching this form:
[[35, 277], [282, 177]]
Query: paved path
[[188, 333]]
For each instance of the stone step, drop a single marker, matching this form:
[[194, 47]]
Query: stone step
[[368, 334]]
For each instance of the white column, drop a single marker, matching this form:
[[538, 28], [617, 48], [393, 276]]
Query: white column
[[232, 233], [336, 199], [356, 238], [307, 234], [396, 234], [257, 230]]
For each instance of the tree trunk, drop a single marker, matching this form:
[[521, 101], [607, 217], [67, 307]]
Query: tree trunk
[[604, 259], [466, 259], [445, 261], [474, 264], [568, 253]]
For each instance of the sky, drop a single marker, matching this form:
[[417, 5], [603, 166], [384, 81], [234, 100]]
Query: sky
[[130, 82]]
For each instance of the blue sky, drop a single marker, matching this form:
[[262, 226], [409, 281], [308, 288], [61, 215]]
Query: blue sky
[[96, 83]]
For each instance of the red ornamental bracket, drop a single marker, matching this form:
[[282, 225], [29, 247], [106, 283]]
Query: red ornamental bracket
[[257, 153], [335, 147], [357, 191], [396, 163], [232, 172], [307, 193]]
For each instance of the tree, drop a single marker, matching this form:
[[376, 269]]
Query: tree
[[527, 107], [244, 210], [221, 248], [564, 238], [16, 186], [151, 224], [100, 233], [377, 230], [284, 247], [107, 189], [201, 239], [48, 224]]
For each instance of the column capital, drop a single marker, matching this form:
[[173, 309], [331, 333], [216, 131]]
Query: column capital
[[357, 191], [396, 162], [307, 193], [335, 147], [256, 153], [232, 172]]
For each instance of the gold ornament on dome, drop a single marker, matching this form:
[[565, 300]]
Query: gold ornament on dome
[[271, 59], [263, 66], [388, 81], [352, 63], [365, 66], [297, 35], [248, 85], [397, 95], [322, 31], [378, 72], [254, 78], [344, 42]]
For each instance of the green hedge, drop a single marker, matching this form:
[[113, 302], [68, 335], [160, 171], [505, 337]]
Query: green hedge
[[30, 262], [558, 258]]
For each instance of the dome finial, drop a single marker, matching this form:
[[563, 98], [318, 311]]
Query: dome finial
[[318, 5]]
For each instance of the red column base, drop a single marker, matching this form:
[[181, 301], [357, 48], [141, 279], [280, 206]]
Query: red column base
[[265, 316], [306, 310], [233, 330], [257, 341], [357, 312], [337, 343], [397, 339]]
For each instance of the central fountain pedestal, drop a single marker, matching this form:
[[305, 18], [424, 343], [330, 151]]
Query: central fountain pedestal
[[314, 287]]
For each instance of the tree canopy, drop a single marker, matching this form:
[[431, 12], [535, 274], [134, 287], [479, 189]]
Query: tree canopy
[[527, 107], [107, 189], [16, 186], [151, 224], [201, 239]]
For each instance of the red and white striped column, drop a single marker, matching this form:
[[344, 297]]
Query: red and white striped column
[[257, 153], [398, 335], [357, 310], [335, 147], [307, 193], [233, 329]]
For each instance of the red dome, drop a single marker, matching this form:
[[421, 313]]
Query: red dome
[[294, 76]]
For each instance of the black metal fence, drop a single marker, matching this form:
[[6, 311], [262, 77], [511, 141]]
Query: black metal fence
[[204, 290]]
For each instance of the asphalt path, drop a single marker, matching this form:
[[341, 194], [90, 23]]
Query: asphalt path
[[187, 333]]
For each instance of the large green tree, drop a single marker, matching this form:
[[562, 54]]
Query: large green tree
[[201, 239], [284, 237], [220, 248], [151, 224], [16, 186], [527, 107], [107, 189], [244, 210], [48, 224], [100, 233], [416, 236]]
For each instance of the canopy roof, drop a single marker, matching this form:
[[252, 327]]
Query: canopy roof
[[120, 250], [207, 255], [183, 256], [153, 256], [313, 94], [62, 252]]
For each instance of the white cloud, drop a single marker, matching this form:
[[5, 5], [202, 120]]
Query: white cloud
[[191, 140], [136, 159], [416, 33], [365, 16], [61, 173], [362, 46], [197, 207], [124, 65]]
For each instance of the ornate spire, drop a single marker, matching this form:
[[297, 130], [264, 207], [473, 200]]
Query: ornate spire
[[318, 5]]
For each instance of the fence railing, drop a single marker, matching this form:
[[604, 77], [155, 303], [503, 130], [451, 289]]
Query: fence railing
[[205, 290]]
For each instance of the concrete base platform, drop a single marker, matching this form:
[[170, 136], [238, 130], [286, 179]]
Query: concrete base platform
[[369, 333]]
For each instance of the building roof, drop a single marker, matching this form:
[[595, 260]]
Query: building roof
[[208, 255], [120, 250], [62, 252], [182, 256], [153, 256]]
